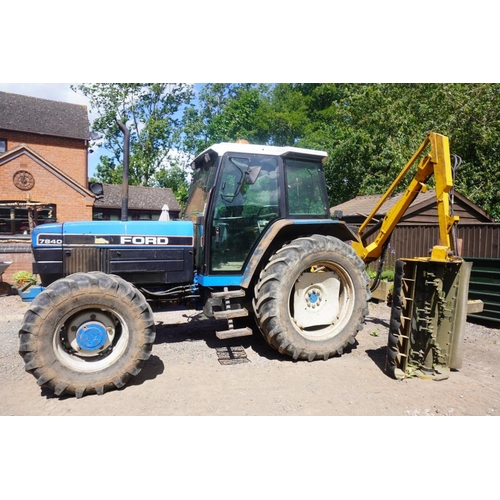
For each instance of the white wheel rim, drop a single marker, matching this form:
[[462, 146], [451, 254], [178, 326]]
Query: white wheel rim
[[109, 352], [340, 298]]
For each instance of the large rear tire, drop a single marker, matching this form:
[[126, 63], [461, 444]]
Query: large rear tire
[[87, 333], [312, 298]]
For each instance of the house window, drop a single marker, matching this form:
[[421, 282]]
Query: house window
[[3, 146], [115, 214], [15, 219]]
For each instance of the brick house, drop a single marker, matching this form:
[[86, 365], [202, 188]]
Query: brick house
[[43, 171], [44, 177]]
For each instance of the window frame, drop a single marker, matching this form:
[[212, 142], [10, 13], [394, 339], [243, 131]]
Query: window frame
[[14, 219]]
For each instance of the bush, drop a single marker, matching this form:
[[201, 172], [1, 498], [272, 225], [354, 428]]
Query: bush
[[24, 278], [386, 275]]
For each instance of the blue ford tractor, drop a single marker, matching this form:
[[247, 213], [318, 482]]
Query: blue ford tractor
[[256, 242]]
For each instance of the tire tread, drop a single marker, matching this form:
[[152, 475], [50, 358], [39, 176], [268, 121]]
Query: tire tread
[[35, 341]]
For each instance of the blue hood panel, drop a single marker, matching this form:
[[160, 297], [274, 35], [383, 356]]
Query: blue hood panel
[[115, 234]]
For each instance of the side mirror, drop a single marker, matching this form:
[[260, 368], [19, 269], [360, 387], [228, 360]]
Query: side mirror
[[252, 174]]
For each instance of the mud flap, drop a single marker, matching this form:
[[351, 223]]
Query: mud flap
[[428, 318]]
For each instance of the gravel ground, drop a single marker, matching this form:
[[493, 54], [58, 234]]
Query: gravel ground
[[186, 376]]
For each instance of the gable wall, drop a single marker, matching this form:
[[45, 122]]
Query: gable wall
[[427, 214], [71, 205], [69, 155]]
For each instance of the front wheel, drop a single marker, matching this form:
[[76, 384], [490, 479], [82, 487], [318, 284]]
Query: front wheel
[[87, 333], [312, 298]]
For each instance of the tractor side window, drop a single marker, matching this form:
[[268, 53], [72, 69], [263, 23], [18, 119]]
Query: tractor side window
[[305, 194]]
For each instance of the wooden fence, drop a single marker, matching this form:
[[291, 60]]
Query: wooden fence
[[474, 240]]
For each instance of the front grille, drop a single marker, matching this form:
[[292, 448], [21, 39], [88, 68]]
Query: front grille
[[86, 260]]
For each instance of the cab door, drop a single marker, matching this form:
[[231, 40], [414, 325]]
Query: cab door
[[245, 200]]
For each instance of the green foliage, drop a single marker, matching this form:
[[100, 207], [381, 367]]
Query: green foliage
[[174, 178], [369, 130], [24, 278], [385, 275], [374, 129], [151, 113], [225, 113]]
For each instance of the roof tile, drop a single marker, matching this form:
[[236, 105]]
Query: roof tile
[[22, 113], [139, 198]]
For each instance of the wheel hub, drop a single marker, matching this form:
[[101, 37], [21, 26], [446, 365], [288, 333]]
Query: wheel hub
[[90, 333], [313, 298], [91, 336], [316, 299]]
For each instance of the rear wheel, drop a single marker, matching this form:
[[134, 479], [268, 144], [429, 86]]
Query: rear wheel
[[312, 297], [87, 333]]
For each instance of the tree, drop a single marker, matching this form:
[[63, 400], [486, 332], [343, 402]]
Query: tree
[[474, 128], [175, 178], [225, 112], [370, 131], [151, 111]]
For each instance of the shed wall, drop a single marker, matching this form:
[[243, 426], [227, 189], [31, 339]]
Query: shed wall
[[475, 240]]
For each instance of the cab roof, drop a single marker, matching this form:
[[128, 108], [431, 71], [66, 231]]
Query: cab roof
[[236, 147]]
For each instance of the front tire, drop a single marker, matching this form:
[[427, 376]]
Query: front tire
[[87, 333], [312, 298]]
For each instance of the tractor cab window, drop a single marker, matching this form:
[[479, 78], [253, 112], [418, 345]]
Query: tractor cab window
[[305, 193], [245, 201]]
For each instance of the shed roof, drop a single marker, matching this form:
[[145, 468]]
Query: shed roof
[[361, 206], [22, 113], [139, 198]]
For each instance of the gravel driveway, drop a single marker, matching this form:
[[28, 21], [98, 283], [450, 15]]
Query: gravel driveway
[[191, 372]]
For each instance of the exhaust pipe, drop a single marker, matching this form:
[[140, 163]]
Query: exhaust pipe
[[126, 155]]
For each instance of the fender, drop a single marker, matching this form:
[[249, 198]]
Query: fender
[[294, 228]]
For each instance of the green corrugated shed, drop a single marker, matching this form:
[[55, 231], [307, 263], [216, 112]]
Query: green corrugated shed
[[485, 285]]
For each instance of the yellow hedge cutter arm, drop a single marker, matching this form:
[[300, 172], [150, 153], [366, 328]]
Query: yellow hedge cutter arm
[[437, 162], [430, 293]]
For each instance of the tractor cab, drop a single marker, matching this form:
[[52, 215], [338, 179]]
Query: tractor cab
[[239, 190]]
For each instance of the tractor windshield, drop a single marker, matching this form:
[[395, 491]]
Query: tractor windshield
[[200, 187]]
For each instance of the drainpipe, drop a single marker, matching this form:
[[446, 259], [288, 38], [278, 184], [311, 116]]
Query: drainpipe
[[126, 154]]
